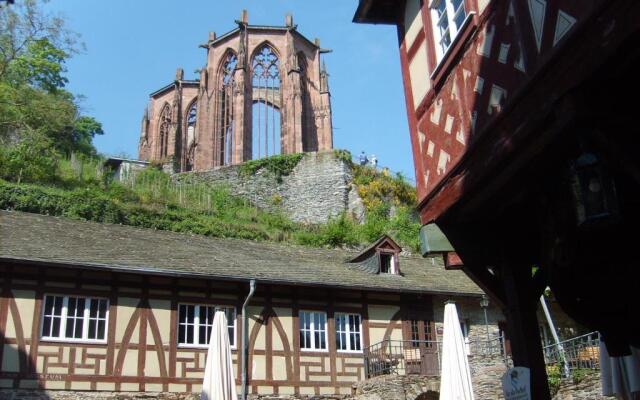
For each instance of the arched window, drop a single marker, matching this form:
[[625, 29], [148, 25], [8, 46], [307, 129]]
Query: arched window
[[309, 131], [226, 93], [265, 80], [164, 126], [191, 134]]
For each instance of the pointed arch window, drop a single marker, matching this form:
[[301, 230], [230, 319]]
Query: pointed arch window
[[225, 121], [191, 134], [309, 131], [265, 80], [163, 130]]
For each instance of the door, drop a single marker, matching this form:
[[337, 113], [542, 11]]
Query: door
[[420, 346]]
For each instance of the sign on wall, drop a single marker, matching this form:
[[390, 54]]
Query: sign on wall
[[516, 384]]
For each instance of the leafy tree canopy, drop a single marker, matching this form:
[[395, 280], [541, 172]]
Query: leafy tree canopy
[[33, 102]]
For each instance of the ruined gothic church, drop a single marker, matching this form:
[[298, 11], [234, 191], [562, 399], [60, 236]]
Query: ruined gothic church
[[263, 91]]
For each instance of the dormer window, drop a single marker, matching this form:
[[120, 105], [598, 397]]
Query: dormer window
[[386, 263], [382, 257]]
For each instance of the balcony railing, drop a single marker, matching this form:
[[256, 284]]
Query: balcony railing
[[405, 357], [574, 354]]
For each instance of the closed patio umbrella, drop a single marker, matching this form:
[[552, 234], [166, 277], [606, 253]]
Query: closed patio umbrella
[[455, 376], [620, 376], [219, 381]]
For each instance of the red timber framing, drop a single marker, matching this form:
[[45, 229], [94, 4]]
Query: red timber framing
[[526, 88], [141, 351]]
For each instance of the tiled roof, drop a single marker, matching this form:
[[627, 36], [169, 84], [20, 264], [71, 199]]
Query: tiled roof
[[58, 241]]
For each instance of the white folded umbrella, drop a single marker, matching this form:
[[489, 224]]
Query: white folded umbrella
[[219, 381], [455, 376], [620, 376]]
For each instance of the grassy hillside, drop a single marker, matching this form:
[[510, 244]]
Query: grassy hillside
[[79, 189]]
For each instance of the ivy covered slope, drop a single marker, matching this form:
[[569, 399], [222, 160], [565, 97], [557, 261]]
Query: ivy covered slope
[[78, 188]]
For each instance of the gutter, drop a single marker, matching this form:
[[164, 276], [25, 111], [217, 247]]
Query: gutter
[[245, 338]]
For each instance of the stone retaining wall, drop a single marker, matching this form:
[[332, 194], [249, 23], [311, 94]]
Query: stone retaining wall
[[318, 188]]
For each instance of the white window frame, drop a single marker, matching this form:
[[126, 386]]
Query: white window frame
[[313, 329], [86, 318], [453, 30], [350, 346], [196, 325]]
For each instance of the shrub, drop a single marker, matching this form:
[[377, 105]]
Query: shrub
[[279, 165], [32, 159], [554, 377]]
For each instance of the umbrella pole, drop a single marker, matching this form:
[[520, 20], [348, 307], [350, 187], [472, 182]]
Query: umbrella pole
[[552, 327], [245, 337]]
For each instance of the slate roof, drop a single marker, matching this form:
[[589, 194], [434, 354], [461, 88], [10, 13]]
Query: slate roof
[[54, 241]]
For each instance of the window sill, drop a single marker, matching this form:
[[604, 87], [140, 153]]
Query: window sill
[[198, 347], [312, 351], [73, 341], [446, 62], [350, 352]]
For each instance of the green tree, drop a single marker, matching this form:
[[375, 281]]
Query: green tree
[[33, 102], [26, 32]]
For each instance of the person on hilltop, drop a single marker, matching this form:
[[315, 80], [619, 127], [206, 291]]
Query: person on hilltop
[[363, 158], [374, 161]]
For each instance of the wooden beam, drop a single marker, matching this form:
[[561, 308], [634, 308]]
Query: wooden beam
[[522, 322]]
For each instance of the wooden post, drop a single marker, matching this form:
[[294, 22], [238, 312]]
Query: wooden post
[[524, 333]]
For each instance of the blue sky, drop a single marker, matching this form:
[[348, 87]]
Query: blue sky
[[133, 48]]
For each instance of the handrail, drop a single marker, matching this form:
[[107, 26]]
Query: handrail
[[422, 357], [578, 353]]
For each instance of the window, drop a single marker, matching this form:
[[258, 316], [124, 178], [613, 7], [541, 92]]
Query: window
[[419, 332], [225, 140], [74, 318], [165, 126], [447, 17], [266, 124], [313, 330], [348, 336], [385, 263], [196, 321]]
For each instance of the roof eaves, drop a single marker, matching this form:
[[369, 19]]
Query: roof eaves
[[163, 89], [377, 12], [222, 37], [182, 274]]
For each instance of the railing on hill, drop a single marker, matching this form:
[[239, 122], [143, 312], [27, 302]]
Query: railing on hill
[[574, 354], [421, 357]]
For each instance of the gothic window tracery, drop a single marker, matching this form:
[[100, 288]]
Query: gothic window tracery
[[265, 80], [310, 141], [226, 94], [191, 134], [164, 128]]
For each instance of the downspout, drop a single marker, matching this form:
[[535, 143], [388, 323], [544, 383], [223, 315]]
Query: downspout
[[245, 337]]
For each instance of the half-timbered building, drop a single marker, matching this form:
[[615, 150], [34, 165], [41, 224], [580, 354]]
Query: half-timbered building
[[99, 307], [525, 145]]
